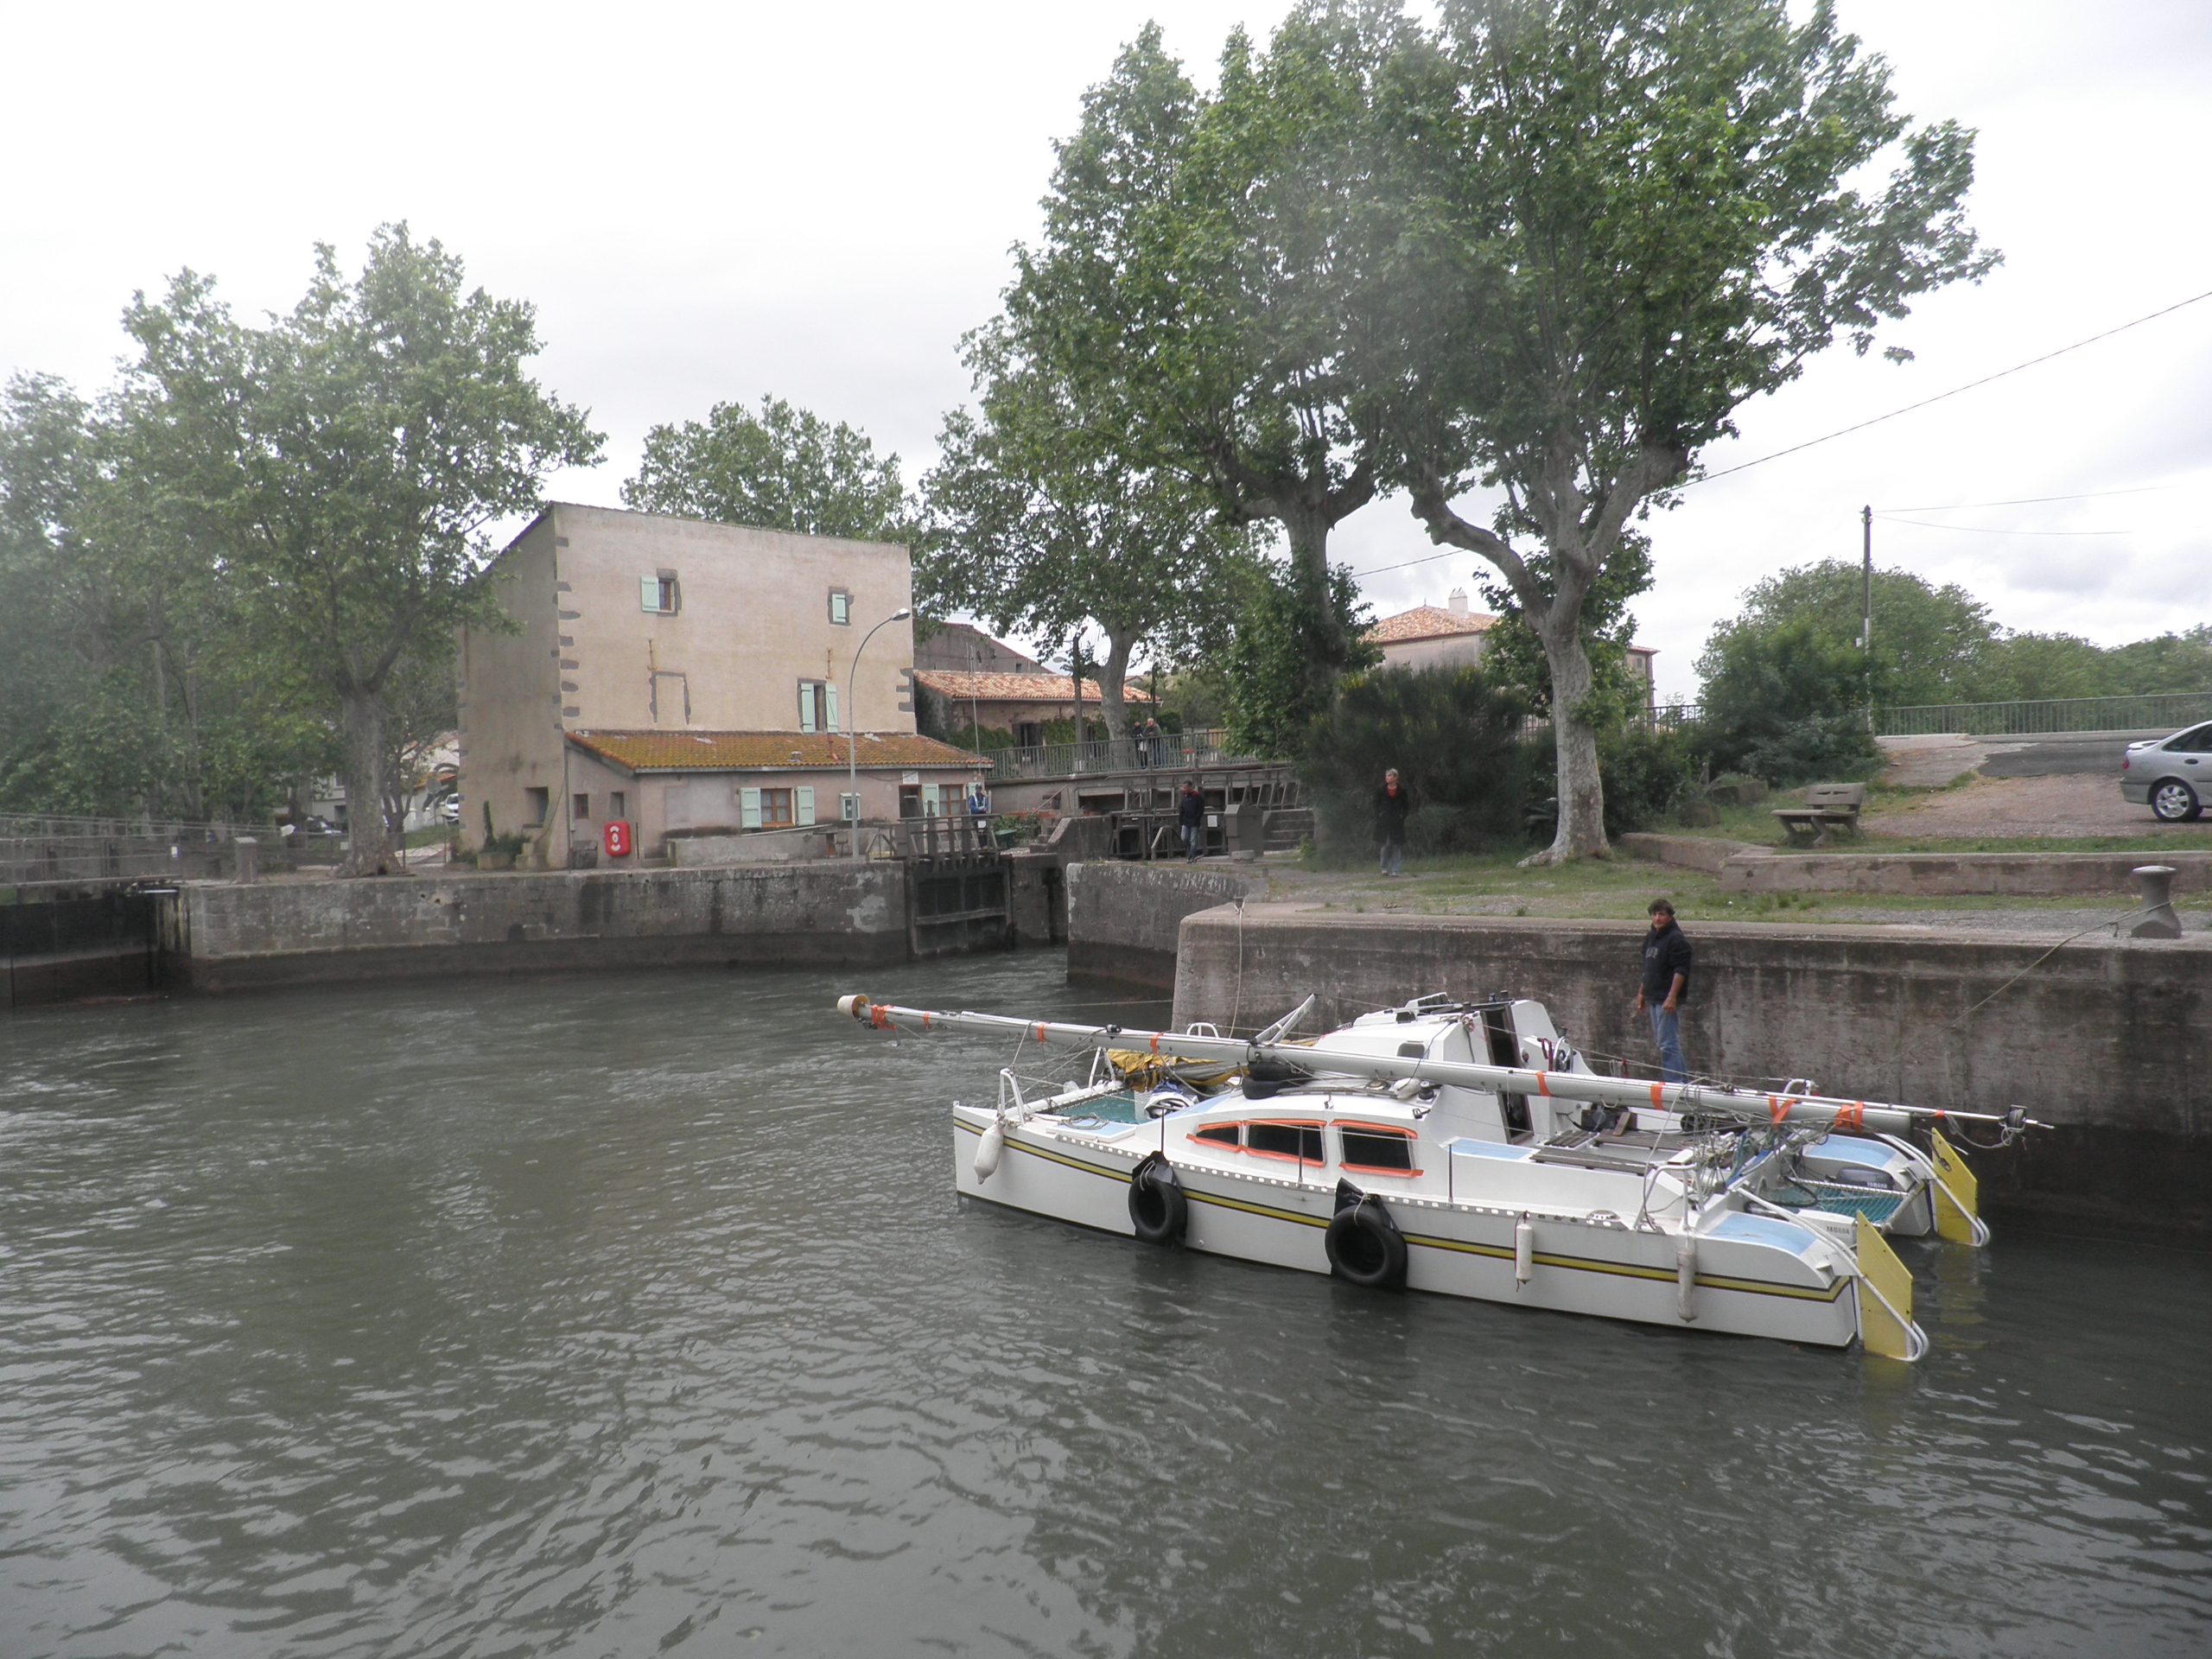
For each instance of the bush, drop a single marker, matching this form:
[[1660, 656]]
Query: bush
[[1455, 741]]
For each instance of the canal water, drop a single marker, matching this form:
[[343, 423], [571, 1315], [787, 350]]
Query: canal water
[[636, 1316]]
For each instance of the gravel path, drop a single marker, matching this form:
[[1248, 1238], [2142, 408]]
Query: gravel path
[[2085, 804]]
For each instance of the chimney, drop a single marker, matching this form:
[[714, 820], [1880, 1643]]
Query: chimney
[[1457, 602]]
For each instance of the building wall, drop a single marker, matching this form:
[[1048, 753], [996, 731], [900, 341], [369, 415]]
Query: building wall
[[1451, 649], [753, 621], [511, 733]]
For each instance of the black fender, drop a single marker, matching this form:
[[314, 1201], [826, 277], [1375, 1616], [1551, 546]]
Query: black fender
[[1364, 1244], [1157, 1210]]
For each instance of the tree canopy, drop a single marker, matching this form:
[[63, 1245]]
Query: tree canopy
[[349, 463], [785, 468], [1625, 219], [1035, 526]]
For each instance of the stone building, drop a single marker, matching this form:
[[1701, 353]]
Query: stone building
[[682, 677], [1430, 636]]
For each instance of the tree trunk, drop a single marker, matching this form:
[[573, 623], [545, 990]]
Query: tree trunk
[[369, 849], [1581, 832], [1113, 673], [1307, 530]]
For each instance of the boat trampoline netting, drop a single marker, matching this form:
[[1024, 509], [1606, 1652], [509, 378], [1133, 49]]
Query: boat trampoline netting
[[1841, 1200]]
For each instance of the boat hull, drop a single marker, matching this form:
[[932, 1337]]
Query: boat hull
[[1745, 1284]]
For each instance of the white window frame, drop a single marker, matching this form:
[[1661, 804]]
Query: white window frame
[[849, 807]]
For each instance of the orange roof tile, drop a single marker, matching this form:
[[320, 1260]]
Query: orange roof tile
[[1013, 688], [1427, 622], [693, 751]]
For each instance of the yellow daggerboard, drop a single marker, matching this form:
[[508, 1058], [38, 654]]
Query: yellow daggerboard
[[1958, 1194], [1884, 1330]]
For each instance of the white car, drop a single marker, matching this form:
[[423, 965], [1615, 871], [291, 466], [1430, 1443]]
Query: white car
[[2171, 774]]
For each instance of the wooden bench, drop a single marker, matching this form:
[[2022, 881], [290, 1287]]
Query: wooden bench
[[1827, 806]]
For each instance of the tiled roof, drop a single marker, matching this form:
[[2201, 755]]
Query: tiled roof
[[1427, 622], [1013, 688], [765, 750]]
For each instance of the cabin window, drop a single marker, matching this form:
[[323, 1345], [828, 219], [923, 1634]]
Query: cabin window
[[1384, 1149], [1219, 1135], [1299, 1141]]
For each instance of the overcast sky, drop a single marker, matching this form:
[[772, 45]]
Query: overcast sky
[[716, 201]]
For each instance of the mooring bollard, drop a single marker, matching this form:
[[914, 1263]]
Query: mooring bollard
[[248, 859], [2155, 883]]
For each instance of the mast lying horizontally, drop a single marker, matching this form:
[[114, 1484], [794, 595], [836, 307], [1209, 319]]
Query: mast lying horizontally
[[1743, 1105]]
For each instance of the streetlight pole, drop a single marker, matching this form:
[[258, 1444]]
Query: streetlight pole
[[852, 730]]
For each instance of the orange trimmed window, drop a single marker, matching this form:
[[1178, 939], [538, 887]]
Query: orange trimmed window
[[1376, 1149], [1298, 1142], [1216, 1134]]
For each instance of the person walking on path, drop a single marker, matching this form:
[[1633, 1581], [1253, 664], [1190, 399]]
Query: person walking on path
[[1191, 815], [1392, 805], [1666, 981]]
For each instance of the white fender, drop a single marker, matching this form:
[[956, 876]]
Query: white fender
[[1524, 1251], [987, 1150], [1685, 1274]]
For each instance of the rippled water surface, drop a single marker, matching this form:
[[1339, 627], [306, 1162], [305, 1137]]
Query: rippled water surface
[[637, 1316]]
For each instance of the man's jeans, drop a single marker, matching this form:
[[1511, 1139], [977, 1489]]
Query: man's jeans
[[1667, 1032], [1393, 853], [1191, 834]]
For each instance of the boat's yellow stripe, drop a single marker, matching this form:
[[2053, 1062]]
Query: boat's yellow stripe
[[1497, 1252]]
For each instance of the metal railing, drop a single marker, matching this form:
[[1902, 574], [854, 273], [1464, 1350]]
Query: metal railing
[[2161, 711], [1175, 750], [35, 847]]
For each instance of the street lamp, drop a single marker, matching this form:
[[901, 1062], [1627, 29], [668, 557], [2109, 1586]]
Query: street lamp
[[851, 732]]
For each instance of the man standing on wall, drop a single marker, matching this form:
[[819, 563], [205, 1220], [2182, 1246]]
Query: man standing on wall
[[1666, 981], [1392, 806], [1191, 816]]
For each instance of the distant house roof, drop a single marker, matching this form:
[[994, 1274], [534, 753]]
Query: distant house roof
[[1013, 688], [1427, 622], [765, 750]]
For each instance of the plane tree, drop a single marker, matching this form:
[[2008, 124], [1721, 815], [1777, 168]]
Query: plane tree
[[1198, 285], [1036, 527], [1623, 219], [354, 458], [784, 469]]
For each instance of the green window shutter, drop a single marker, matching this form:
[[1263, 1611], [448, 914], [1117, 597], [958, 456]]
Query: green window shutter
[[830, 696], [803, 801], [649, 594], [929, 800], [748, 808], [806, 705]]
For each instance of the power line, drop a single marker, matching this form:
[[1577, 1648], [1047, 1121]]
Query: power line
[[1860, 426], [1426, 558], [1984, 529], [2026, 500]]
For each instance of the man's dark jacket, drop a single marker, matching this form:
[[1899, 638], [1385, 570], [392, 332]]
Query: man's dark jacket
[[1390, 813], [1665, 954], [1192, 811]]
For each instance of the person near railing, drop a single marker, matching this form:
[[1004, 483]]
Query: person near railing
[[1190, 819]]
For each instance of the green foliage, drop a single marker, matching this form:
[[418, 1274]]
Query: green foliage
[[1621, 220], [1785, 701], [784, 469], [1275, 695], [344, 467], [1455, 737], [1037, 525]]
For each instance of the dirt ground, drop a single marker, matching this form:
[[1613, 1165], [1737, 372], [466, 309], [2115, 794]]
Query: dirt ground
[[2079, 804]]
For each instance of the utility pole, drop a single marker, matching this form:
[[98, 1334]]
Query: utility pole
[[1866, 617]]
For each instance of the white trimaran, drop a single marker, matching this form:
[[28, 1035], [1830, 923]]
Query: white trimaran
[[1466, 1148]]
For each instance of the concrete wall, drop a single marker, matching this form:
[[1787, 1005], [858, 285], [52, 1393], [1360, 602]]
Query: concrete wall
[[2110, 1040], [229, 938], [1123, 918], [2104, 875], [511, 732]]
